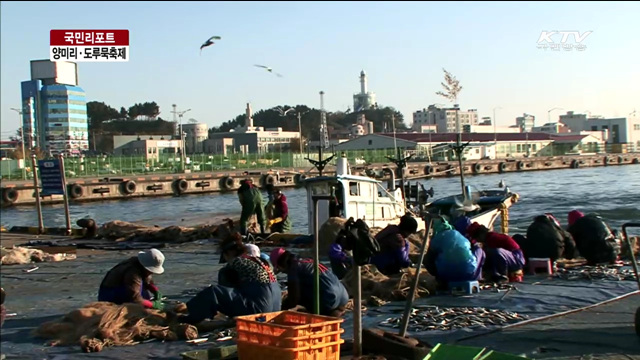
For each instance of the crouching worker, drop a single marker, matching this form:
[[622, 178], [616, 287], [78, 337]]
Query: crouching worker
[[547, 239], [594, 239], [341, 262], [504, 259], [394, 247], [252, 203], [300, 283], [451, 256], [246, 286], [130, 281]]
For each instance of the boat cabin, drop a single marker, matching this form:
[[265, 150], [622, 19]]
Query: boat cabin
[[354, 196]]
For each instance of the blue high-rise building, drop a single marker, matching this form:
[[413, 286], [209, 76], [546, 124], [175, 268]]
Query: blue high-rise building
[[55, 109]]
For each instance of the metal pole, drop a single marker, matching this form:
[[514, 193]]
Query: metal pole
[[181, 143], [632, 254], [459, 151], [416, 280], [357, 319], [316, 259], [36, 187], [300, 130], [66, 197]]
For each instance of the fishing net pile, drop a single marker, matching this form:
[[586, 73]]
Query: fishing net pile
[[125, 231], [390, 288], [102, 324], [23, 255]]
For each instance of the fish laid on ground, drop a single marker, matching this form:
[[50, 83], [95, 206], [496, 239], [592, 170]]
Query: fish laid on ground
[[599, 272], [444, 319]]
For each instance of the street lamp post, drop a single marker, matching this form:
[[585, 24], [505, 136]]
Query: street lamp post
[[182, 156], [24, 157], [549, 113]]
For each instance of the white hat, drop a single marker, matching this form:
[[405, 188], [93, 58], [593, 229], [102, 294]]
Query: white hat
[[253, 250], [152, 260]]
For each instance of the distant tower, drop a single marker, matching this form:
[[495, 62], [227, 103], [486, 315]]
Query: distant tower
[[324, 132], [363, 82], [364, 100], [249, 120]]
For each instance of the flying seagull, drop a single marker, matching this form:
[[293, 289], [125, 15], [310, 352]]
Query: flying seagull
[[209, 42], [268, 69]]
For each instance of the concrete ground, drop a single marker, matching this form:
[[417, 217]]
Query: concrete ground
[[603, 332]]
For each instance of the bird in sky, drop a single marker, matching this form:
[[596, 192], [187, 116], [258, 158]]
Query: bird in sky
[[209, 42], [268, 69]]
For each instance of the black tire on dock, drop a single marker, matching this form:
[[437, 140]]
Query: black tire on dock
[[180, 186], [520, 165], [502, 167], [477, 168], [299, 179], [450, 170], [227, 183], [267, 179], [76, 191], [575, 164], [428, 170], [606, 161], [620, 159], [128, 187], [9, 195], [636, 161]]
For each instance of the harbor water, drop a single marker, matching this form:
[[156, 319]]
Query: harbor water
[[613, 192]]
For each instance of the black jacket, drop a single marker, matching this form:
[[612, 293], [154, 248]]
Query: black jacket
[[594, 239], [546, 239]]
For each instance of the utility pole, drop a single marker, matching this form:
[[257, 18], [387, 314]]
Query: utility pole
[[24, 156], [180, 114]]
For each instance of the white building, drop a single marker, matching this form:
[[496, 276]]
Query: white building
[[444, 119], [618, 130], [489, 129], [361, 127], [553, 128], [194, 137], [365, 100], [526, 122], [251, 139]]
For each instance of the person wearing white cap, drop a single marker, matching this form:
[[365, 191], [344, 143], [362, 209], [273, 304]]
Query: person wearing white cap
[[130, 281], [254, 250]]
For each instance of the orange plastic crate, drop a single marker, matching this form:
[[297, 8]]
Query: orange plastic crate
[[288, 335]]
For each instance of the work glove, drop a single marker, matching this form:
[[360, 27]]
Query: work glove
[[157, 295], [158, 305]]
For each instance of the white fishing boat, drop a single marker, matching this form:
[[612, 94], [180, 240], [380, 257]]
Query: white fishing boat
[[366, 198], [355, 196]]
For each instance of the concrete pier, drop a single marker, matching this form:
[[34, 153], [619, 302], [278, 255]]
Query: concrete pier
[[113, 188]]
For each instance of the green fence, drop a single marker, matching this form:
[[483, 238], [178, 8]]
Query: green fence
[[104, 166]]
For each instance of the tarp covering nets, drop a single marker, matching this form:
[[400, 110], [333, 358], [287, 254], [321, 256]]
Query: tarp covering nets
[[102, 324]]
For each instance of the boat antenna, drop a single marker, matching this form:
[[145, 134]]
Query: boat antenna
[[320, 164], [459, 149]]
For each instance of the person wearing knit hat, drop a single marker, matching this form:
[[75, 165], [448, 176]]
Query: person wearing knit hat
[[505, 260], [394, 247], [130, 281], [300, 284], [246, 286], [594, 239]]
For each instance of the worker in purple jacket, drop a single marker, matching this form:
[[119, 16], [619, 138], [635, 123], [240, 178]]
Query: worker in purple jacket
[[394, 247], [341, 262]]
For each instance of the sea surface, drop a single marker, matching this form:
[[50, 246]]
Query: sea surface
[[613, 192]]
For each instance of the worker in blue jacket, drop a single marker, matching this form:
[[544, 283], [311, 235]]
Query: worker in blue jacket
[[394, 247], [451, 256]]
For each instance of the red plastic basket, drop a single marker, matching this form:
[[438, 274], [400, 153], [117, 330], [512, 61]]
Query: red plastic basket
[[288, 335]]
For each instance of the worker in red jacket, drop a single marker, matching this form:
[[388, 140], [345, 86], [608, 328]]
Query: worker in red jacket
[[504, 258]]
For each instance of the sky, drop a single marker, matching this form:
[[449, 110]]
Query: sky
[[491, 47]]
